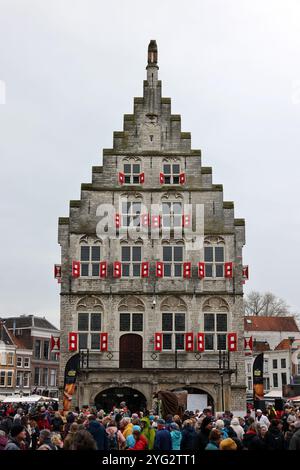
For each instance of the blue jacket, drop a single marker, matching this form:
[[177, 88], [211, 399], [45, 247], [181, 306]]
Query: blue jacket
[[176, 439], [189, 439], [212, 446], [99, 434], [163, 440]]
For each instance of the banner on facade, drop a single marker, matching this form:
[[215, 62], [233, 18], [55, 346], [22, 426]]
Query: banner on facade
[[258, 381], [71, 371]]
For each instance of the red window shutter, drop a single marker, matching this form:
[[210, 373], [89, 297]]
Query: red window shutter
[[187, 267], [73, 341], [155, 221], [232, 341], [248, 344], [103, 269], [159, 269], [186, 220], [145, 220], [201, 270], [142, 178], [103, 341], [245, 272], [57, 271], [157, 341], [117, 220], [228, 269], [182, 178], [121, 178], [189, 341], [200, 342], [117, 269], [161, 178], [75, 268], [145, 269], [55, 344]]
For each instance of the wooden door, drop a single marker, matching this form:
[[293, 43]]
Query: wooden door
[[131, 351]]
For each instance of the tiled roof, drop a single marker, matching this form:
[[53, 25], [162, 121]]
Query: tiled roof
[[284, 344], [29, 321], [261, 346], [257, 323]]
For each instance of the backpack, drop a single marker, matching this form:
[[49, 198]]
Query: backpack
[[113, 441]]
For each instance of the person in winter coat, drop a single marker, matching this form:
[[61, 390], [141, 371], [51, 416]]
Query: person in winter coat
[[235, 425], [205, 428], [3, 440], [295, 439], [57, 422], [261, 419], [45, 438], [98, 432], [141, 442], [35, 433], [176, 436], [70, 436], [219, 424], [274, 439], [126, 427], [70, 419], [16, 439], [116, 440], [148, 431], [251, 440], [163, 439], [215, 438], [189, 437]]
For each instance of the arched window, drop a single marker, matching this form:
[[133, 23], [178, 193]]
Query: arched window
[[90, 256], [132, 170], [173, 311], [89, 322]]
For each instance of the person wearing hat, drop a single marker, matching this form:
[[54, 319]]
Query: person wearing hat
[[17, 438], [261, 419], [141, 442], [163, 440]]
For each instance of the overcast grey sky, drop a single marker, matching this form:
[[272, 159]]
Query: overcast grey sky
[[71, 69]]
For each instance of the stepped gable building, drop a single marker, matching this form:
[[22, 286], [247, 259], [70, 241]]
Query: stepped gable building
[[150, 312]]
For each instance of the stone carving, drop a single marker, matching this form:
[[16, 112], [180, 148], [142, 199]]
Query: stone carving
[[131, 303], [215, 304], [90, 302], [173, 303]]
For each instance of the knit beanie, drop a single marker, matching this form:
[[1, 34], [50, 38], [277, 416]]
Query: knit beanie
[[16, 429]]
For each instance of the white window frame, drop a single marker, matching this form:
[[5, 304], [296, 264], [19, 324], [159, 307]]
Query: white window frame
[[172, 175], [20, 361], [26, 366], [131, 262], [174, 216], [53, 374], [3, 358], [173, 262], [131, 322], [10, 359], [214, 263], [88, 331], [215, 332], [90, 262], [131, 174], [9, 373], [174, 332], [19, 376], [3, 374], [132, 212], [26, 379]]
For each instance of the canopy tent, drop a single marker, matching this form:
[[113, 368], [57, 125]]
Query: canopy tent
[[274, 394], [29, 399]]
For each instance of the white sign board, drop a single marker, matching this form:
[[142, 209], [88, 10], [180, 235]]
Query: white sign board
[[196, 401]]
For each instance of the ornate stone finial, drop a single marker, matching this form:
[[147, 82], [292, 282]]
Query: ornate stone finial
[[152, 53]]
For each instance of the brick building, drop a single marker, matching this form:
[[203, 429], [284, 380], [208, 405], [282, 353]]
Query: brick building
[[34, 334], [152, 312]]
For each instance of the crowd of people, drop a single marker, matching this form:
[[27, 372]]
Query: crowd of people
[[46, 428]]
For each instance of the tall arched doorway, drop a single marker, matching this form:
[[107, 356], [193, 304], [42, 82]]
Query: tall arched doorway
[[131, 351], [196, 398], [110, 397]]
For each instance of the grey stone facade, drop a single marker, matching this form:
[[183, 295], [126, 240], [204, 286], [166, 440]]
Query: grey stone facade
[[151, 137]]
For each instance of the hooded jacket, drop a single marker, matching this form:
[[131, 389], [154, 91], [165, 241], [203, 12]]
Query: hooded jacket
[[176, 439], [148, 432], [140, 444], [99, 434], [127, 430], [189, 439]]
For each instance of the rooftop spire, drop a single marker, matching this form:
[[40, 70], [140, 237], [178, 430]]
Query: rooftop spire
[[152, 53]]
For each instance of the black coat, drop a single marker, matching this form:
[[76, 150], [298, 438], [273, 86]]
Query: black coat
[[274, 439], [252, 441], [189, 439]]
